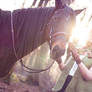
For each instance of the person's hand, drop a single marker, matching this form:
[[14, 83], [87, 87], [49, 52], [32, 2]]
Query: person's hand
[[62, 66], [60, 63], [74, 53], [71, 47]]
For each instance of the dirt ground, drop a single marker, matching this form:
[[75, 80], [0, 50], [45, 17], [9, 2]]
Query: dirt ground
[[19, 87]]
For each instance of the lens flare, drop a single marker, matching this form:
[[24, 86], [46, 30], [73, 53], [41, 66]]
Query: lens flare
[[83, 28], [80, 35]]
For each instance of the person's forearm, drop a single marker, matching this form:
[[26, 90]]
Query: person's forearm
[[86, 73]]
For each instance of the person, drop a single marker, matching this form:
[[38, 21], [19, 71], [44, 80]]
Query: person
[[81, 80], [85, 72]]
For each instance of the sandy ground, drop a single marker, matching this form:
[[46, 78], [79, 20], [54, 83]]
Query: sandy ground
[[20, 87]]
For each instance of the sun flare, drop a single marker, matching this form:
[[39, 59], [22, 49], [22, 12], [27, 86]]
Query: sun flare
[[80, 35], [83, 27]]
